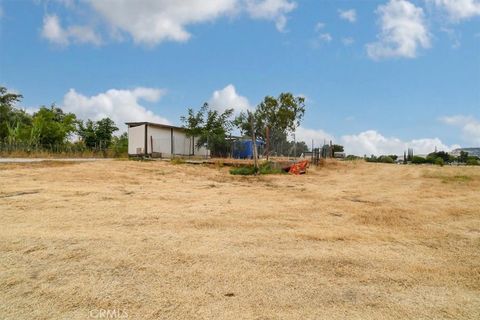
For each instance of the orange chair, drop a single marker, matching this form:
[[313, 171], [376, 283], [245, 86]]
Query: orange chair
[[299, 167]]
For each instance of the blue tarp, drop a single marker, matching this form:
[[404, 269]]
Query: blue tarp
[[243, 149]]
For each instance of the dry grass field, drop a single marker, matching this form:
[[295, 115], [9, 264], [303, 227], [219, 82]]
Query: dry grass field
[[153, 240]]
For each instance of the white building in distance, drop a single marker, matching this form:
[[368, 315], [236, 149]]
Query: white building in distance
[[161, 141]]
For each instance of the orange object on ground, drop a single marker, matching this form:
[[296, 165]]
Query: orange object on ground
[[299, 167]]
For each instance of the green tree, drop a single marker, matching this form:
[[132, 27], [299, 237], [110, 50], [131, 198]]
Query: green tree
[[120, 144], [418, 160], [431, 158], [14, 123], [53, 126], [463, 156], [440, 162], [273, 119], [337, 148], [87, 133], [97, 135], [209, 127]]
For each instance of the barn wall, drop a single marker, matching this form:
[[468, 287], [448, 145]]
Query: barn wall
[[161, 140], [136, 139], [201, 152], [182, 145]]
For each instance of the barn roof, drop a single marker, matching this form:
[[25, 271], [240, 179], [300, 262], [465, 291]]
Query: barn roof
[[153, 124]]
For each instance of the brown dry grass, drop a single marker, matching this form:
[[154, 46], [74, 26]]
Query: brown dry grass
[[159, 241]]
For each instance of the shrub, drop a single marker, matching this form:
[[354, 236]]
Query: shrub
[[264, 168], [243, 171], [431, 159], [439, 162], [351, 157], [177, 161], [268, 168], [418, 160], [473, 162], [385, 159]]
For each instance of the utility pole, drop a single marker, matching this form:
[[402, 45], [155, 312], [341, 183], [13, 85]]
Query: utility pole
[[254, 142]]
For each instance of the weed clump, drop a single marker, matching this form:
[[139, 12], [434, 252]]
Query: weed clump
[[264, 168]]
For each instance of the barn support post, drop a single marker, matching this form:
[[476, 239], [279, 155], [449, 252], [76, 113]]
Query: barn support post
[[151, 144], [146, 139], [171, 143]]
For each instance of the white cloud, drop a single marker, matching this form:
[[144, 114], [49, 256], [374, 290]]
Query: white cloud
[[372, 142], [151, 22], [275, 10], [454, 37], [319, 26], [55, 33], [348, 41], [320, 39], [317, 135], [119, 105], [403, 31], [470, 127], [227, 98], [325, 37], [349, 15], [458, 9]]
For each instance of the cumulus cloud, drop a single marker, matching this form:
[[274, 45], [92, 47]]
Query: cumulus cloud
[[317, 135], [372, 142], [458, 10], [119, 105], [227, 98], [403, 31], [469, 125], [325, 37], [319, 26], [348, 41], [320, 40], [349, 15], [53, 31], [275, 10], [151, 22]]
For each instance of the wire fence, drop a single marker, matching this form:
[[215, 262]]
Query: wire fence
[[102, 149]]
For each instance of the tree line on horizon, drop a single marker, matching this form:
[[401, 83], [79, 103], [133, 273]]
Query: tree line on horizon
[[51, 129]]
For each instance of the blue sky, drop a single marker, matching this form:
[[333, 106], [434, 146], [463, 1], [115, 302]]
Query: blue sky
[[378, 76]]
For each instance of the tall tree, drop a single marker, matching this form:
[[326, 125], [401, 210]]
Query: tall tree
[[275, 118], [53, 126], [12, 120], [97, 134], [209, 127]]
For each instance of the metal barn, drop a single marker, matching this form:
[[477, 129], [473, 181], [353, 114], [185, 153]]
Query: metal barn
[[161, 140]]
